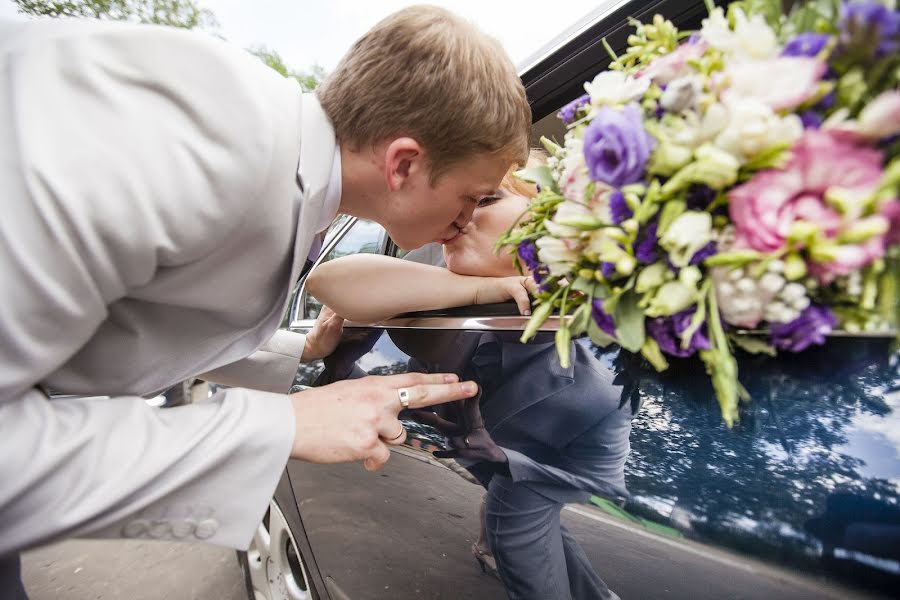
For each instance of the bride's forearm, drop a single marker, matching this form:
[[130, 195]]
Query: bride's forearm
[[366, 288]]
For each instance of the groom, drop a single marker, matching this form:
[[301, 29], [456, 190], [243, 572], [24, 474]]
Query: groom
[[162, 193]]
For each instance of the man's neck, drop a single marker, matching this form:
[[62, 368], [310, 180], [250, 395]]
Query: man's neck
[[359, 177]]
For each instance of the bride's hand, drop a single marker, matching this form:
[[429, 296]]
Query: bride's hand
[[501, 289]]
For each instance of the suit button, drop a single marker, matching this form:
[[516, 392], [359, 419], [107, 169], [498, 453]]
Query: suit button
[[182, 529], [206, 529], [160, 530], [136, 528]]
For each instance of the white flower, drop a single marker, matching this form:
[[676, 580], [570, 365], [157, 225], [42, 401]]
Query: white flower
[[566, 210], [686, 235], [751, 38], [560, 256], [681, 94], [753, 127], [615, 87], [781, 83], [879, 119]]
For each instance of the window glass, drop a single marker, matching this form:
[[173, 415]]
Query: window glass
[[366, 237]]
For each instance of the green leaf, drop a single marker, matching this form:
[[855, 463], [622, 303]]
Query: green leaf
[[753, 344], [629, 320], [652, 352], [538, 317], [598, 336], [563, 339], [542, 176], [581, 318]]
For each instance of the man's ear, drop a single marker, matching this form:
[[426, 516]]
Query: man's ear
[[403, 158]]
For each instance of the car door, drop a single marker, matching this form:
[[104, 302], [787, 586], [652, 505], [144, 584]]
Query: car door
[[755, 512]]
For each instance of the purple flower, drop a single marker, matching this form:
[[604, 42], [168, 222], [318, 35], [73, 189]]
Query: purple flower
[[645, 251], [806, 44], [567, 112], [528, 253], [616, 146], [807, 329], [864, 22], [603, 319], [811, 119], [700, 197], [608, 269], [703, 253], [667, 333], [827, 101], [618, 208]]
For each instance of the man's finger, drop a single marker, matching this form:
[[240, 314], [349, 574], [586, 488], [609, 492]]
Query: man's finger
[[421, 396], [378, 458], [410, 379]]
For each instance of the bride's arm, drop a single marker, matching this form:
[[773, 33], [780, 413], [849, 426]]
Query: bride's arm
[[366, 288]]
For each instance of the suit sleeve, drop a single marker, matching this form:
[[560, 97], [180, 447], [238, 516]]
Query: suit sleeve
[[101, 173], [271, 368], [595, 460]]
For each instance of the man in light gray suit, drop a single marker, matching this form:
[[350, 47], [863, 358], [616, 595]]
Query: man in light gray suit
[[162, 192]]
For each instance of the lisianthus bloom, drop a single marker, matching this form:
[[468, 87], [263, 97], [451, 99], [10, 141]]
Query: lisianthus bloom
[[809, 328], [667, 333], [865, 22], [766, 208], [602, 318], [753, 126], [687, 234], [806, 44], [675, 64], [879, 119], [567, 112], [751, 38], [615, 88], [616, 145], [780, 83], [560, 256]]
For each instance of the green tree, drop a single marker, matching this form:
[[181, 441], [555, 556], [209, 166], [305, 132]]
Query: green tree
[[186, 14], [308, 80]]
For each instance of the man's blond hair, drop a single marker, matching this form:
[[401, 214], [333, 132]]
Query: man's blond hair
[[425, 73]]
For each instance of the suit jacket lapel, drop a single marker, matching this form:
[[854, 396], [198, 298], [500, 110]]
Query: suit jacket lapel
[[530, 373]]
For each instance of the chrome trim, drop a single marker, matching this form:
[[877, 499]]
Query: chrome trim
[[299, 298], [518, 323]]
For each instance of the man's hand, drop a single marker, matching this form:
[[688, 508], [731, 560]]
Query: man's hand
[[324, 337], [501, 289], [468, 438], [357, 419]]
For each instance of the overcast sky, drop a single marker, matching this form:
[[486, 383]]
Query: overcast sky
[[307, 32]]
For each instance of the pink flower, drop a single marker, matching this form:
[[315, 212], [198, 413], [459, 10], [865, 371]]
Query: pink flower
[[781, 83], [674, 64], [890, 210], [765, 208]]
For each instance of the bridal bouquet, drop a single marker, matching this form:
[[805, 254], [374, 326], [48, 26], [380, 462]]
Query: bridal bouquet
[[741, 179]]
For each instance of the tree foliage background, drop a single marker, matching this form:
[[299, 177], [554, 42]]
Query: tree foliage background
[[184, 14]]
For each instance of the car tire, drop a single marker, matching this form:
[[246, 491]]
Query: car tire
[[274, 567]]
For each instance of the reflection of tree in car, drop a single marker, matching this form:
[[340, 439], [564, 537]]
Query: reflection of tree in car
[[548, 436], [755, 487]]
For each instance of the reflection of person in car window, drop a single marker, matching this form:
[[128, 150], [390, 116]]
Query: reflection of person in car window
[[542, 435]]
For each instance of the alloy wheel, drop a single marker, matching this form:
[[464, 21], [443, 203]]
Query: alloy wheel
[[274, 563]]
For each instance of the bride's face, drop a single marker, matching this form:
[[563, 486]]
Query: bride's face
[[472, 251]]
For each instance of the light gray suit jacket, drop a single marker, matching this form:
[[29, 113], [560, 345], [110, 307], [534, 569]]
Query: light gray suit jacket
[[154, 223]]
